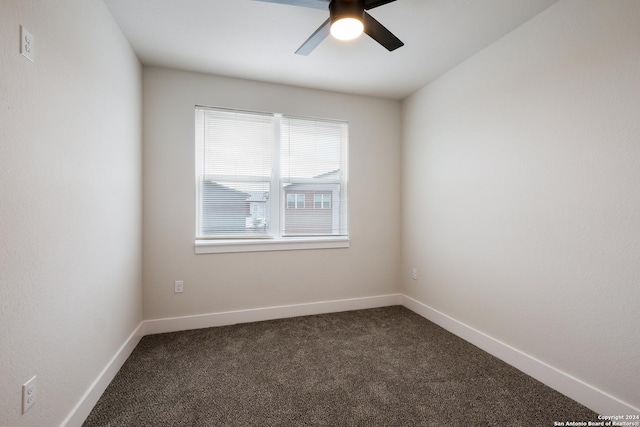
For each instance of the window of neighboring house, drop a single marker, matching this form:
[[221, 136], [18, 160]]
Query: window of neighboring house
[[322, 201], [295, 201], [253, 174]]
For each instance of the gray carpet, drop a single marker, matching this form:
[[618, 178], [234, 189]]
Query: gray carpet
[[378, 367]]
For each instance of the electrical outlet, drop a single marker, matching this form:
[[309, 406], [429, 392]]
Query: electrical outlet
[[29, 394], [178, 287], [414, 273], [27, 44]]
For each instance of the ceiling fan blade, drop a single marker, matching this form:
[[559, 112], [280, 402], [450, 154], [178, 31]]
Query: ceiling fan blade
[[370, 4], [379, 33], [313, 4], [314, 40]]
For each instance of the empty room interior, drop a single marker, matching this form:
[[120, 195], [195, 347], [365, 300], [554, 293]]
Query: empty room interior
[[485, 187]]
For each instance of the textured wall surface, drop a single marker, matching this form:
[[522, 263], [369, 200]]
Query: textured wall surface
[[222, 282], [521, 207], [70, 209]]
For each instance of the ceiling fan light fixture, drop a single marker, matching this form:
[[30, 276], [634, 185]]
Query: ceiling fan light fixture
[[347, 28], [347, 18]]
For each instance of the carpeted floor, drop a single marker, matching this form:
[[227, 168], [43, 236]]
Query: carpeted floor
[[378, 367]]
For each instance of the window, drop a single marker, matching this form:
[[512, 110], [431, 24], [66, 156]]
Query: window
[[295, 201], [269, 181], [322, 201]]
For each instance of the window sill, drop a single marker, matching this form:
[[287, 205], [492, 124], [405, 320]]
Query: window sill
[[290, 244]]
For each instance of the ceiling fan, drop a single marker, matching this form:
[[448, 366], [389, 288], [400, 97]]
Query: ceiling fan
[[347, 20]]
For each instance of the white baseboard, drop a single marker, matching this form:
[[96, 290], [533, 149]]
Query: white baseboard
[[82, 409], [585, 394], [172, 324], [572, 387]]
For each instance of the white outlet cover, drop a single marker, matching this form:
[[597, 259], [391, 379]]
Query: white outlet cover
[[27, 44], [29, 394], [178, 287]]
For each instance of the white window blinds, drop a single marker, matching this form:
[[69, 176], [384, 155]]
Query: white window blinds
[[234, 157], [269, 176], [313, 162]]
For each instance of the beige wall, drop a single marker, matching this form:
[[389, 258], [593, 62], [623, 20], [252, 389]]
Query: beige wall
[[70, 210], [521, 207], [222, 282]]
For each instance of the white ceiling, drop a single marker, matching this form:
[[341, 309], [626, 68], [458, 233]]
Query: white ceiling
[[256, 40]]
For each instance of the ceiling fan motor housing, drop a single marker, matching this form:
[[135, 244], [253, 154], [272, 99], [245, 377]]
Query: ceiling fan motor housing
[[339, 9]]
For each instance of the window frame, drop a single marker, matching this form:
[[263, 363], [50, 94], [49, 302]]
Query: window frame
[[278, 241]]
